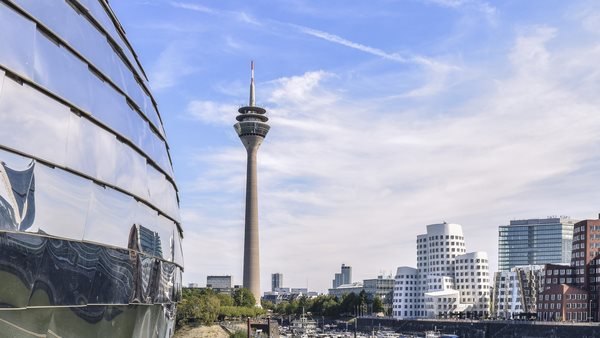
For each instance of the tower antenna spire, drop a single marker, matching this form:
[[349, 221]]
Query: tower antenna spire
[[252, 98]]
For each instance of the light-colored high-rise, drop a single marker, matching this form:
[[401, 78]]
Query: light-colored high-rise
[[343, 277], [447, 280], [252, 129]]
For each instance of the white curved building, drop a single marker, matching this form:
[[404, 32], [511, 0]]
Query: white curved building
[[407, 291], [90, 233], [444, 281]]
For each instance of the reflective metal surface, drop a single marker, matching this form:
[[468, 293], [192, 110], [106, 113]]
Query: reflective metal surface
[[37, 118], [76, 30], [81, 145], [41, 271], [40, 57], [16, 42], [90, 240], [51, 63]]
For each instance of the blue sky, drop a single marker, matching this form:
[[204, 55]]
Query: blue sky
[[386, 116]]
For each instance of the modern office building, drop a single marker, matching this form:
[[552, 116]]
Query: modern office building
[[252, 130], [343, 277], [218, 282], [448, 281], [381, 287], [276, 281], [299, 291], [571, 292], [90, 233], [535, 241], [344, 289], [516, 292]]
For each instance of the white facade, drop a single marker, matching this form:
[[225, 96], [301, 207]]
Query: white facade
[[472, 279], [516, 291], [407, 293], [446, 279]]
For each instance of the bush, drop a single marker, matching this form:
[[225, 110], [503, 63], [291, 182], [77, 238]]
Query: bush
[[240, 311], [238, 334]]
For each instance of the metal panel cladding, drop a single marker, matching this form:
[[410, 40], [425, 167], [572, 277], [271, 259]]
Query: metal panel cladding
[[90, 233]]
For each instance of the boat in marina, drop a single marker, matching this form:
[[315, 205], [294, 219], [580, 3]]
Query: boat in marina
[[303, 326]]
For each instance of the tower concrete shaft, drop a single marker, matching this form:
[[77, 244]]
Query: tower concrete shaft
[[251, 241], [252, 129]]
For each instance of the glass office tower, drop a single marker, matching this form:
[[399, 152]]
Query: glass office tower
[[535, 241], [90, 235]]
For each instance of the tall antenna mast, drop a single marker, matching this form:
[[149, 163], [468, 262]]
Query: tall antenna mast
[[252, 99]]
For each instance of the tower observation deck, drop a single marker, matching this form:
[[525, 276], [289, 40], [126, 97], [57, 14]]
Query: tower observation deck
[[252, 129]]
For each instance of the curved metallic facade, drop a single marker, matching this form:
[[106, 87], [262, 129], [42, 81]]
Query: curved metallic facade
[[90, 234]]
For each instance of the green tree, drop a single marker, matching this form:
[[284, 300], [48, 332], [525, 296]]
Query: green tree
[[243, 297], [188, 309], [377, 305], [292, 308], [362, 298], [331, 308], [349, 303], [210, 305], [281, 307], [225, 299], [268, 305]]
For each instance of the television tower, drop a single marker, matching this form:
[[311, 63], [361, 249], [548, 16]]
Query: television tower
[[252, 129]]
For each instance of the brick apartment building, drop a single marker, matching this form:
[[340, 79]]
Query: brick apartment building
[[571, 292]]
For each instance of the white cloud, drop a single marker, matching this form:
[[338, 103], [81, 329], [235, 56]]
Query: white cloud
[[172, 65], [247, 18], [211, 112], [483, 7], [587, 14], [371, 50], [237, 15], [529, 52], [347, 179], [193, 7], [300, 89]]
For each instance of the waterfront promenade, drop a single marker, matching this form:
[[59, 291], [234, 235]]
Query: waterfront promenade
[[484, 328]]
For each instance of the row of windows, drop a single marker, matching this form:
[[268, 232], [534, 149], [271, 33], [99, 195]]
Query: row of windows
[[557, 272], [574, 296], [557, 306], [447, 250], [436, 237], [472, 267], [447, 243], [473, 286]]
